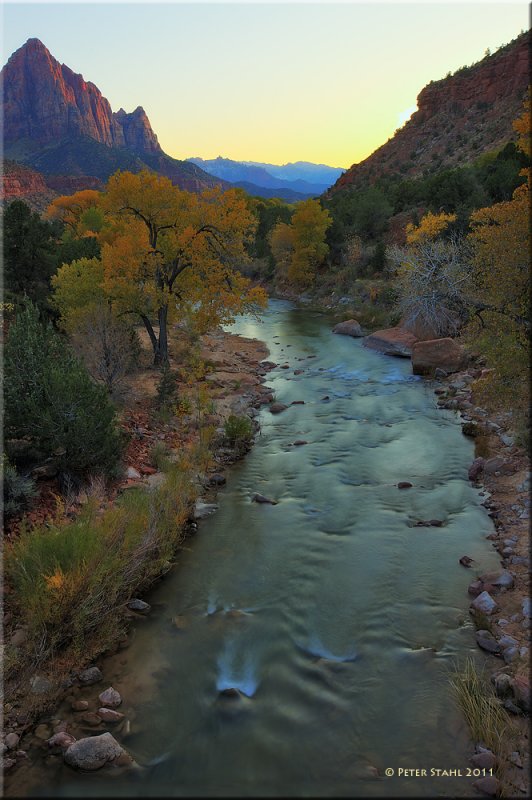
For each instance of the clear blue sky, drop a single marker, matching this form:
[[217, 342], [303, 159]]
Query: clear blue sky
[[271, 82]]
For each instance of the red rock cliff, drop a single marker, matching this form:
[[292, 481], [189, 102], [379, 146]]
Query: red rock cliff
[[458, 118]]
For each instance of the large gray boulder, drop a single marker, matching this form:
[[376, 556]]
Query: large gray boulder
[[349, 328], [94, 752]]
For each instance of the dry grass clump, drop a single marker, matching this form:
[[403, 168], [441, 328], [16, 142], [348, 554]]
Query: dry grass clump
[[488, 722]]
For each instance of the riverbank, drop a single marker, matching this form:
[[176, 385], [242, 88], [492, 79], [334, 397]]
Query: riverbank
[[228, 381]]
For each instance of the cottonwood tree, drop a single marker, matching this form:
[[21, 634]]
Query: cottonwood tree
[[170, 255], [300, 248]]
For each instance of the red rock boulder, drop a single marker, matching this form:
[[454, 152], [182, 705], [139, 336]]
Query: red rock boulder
[[392, 342], [445, 354]]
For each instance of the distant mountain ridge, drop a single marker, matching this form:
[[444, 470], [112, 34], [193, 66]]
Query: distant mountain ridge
[[301, 179], [459, 118], [60, 124]]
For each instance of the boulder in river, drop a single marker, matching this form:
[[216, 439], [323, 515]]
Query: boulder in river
[[351, 327], [276, 408], [392, 342], [62, 740], [500, 579], [404, 485], [484, 603], [93, 752], [203, 510], [138, 605], [109, 715], [443, 353], [260, 498]]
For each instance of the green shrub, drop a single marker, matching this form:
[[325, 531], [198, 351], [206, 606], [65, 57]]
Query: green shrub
[[238, 431], [18, 490], [166, 389], [69, 581], [50, 398]]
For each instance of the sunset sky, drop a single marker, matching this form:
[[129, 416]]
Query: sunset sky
[[276, 82]]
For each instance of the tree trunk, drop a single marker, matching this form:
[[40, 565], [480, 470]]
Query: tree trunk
[[161, 353], [153, 338]]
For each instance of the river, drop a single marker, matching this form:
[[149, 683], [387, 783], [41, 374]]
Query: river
[[336, 618]]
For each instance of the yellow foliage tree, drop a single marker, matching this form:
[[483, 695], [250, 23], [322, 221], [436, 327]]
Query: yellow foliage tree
[[430, 227], [300, 248], [172, 255], [78, 212]]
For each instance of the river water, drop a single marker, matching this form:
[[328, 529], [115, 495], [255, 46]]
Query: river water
[[334, 616]]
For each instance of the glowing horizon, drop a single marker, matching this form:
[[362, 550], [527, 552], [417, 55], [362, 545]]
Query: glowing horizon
[[275, 83]]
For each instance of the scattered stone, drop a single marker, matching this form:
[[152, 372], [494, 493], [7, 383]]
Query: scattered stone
[[285, 366], [428, 523], [498, 464], [475, 469], [108, 715], [260, 498], [40, 685], [526, 607], [440, 374], [507, 641], [297, 403], [12, 740], [466, 561], [62, 740], [475, 588], [110, 698], [94, 752], [484, 760], [133, 474], [230, 693], [92, 719], [42, 732], [515, 758], [485, 603], [521, 690], [139, 605], [509, 654], [326, 397], [276, 408], [299, 442], [489, 786], [486, 641], [404, 485], [9, 763], [501, 579], [299, 371], [217, 480], [470, 429], [502, 684], [510, 706], [349, 328], [90, 676], [79, 705]]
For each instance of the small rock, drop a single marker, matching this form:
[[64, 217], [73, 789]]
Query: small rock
[[92, 719], [510, 706], [486, 641], [108, 715], [475, 588], [349, 328], [276, 408], [466, 561], [484, 760], [297, 403], [260, 498], [9, 763], [230, 693], [501, 579], [299, 371], [42, 732], [488, 785], [40, 685], [515, 758], [502, 684], [90, 676], [404, 485], [93, 752], [19, 637], [12, 740], [475, 469], [485, 603], [521, 690], [217, 480], [139, 605], [507, 641], [62, 740], [299, 442], [110, 698], [526, 607], [79, 705]]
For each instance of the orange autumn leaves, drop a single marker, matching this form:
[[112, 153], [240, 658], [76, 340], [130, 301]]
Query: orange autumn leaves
[[166, 255]]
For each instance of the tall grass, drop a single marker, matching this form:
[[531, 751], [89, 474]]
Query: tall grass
[[69, 581], [488, 722]]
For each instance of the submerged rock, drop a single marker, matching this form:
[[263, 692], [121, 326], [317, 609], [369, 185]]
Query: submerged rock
[[404, 485], [93, 752], [276, 408], [108, 715], [138, 605], [260, 498], [62, 740], [203, 510]]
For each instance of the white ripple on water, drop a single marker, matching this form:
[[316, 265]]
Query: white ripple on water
[[315, 647], [235, 673]]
